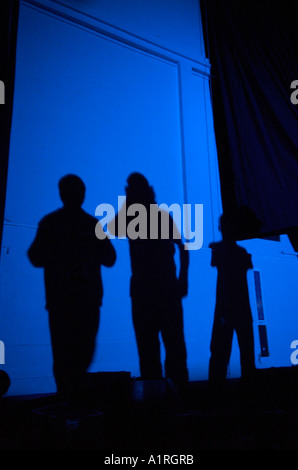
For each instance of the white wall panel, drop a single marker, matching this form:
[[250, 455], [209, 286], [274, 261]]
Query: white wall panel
[[88, 104]]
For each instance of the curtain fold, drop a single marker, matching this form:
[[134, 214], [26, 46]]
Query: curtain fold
[[252, 48], [9, 12]]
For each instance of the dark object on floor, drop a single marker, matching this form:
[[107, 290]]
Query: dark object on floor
[[4, 382]]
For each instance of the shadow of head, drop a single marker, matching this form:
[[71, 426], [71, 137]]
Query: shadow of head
[[138, 189], [72, 190], [239, 224]]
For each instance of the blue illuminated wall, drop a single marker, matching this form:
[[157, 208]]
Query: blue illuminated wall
[[103, 89]]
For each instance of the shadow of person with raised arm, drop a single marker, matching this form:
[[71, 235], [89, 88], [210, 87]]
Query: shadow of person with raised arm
[[232, 308], [156, 291], [71, 255]]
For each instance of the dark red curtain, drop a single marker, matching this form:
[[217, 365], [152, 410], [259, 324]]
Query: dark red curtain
[[252, 46], [9, 11]]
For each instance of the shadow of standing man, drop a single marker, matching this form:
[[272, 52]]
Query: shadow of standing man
[[156, 291], [232, 308], [71, 255]]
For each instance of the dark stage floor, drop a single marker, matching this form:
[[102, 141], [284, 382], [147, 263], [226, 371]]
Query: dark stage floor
[[123, 416]]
